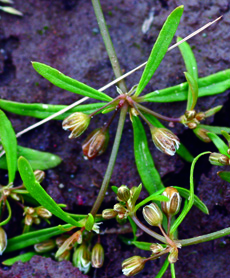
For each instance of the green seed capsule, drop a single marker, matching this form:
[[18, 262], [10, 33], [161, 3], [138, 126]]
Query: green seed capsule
[[98, 255], [45, 246], [3, 240], [152, 214], [133, 265], [123, 193]]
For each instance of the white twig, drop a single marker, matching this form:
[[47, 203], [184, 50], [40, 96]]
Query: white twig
[[110, 84]]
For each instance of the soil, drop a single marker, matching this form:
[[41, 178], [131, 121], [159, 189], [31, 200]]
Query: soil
[[65, 35]]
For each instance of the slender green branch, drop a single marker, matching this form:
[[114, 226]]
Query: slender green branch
[[157, 115], [147, 230], [108, 43], [204, 238], [112, 160]]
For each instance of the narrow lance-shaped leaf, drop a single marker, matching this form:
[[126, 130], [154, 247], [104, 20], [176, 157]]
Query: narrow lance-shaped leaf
[[219, 143], [42, 111], [37, 159], [215, 129], [31, 238], [197, 202], [163, 269], [67, 83], [39, 194], [20, 258], [142, 245], [9, 143], [193, 91], [182, 151], [191, 67], [208, 86], [160, 47], [143, 158], [226, 134], [224, 175]]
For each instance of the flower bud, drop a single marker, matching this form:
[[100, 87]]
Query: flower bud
[[15, 196], [173, 256], [109, 213], [228, 151], [3, 240], [219, 159], [171, 207], [152, 214], [96, 143], [98, 255], [200, 116], [165, 140], [77, 123], [45, 246], [28, 220], [82, 258], [156, 248], [133, 265], [190, 114], [39, 175], [60, 240], [29, 210], [43, 212], [123, 193], [119, 208], [201, 133], [65, 256], [191, 125], [36, 220]]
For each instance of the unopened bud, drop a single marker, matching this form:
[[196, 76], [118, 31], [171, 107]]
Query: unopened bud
[[29, 210], [109, 213], [43, 212], [171, 207], [3, 240], [200, 116], [36, 220], [123, 193], [96, 143], [152, 214], [28, 220], [98, 255], [165, 140], [82, 258], [156, 248], [65, 256], [191, 125], [15, 196], [119, 208], [228, 151], [45, 246], [201, 133], [173, 256], [190, 114], [219, 159], [133, 265], [77, 123], [60, 240], [39, 175]]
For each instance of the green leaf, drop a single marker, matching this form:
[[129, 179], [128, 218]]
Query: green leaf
[[213, 111], [163, 269], [208, 86], [143, 158], [193, 91], [67, 83], [197, 202], [191, 67], [224, 175], [114, 188], [89, 222], [190, 203], [136, 194], [142, 245], [226, 135], [39, 194], [182, 151], [31, 238], [154, 197], [160, 47], [42, 111], [215, 129], [20, 258], [219, 143], [38, 160], [9, 143], [134, 227]]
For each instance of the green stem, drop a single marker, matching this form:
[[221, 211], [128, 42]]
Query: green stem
[[173, 273], [147, 230], [112, 160], [204, 238], [157, 115], [108, 43]]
